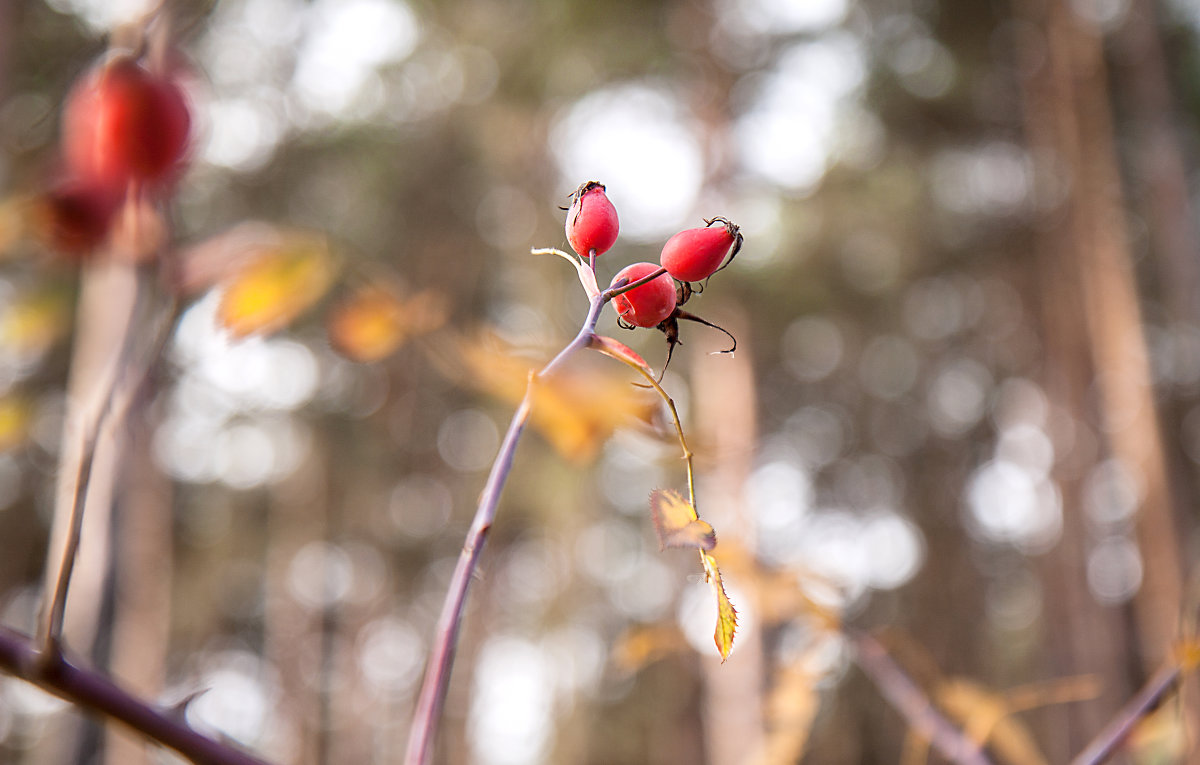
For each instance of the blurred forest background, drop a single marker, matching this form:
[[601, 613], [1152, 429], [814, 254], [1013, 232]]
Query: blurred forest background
[[963, 413]]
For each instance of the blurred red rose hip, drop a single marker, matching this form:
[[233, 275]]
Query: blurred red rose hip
[[592, 220], [123, 123]]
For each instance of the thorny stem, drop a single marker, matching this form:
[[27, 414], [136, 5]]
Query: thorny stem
[[911, 702], [437, 674], [1113, 735], [20, 656]]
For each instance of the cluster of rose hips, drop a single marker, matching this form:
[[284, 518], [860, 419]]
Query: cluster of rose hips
[[125, 133], [688, 258]]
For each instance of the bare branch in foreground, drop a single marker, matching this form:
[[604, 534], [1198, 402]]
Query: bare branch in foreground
[[96, 693]]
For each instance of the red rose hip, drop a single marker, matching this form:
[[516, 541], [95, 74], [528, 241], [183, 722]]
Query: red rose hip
[[123, 123], [647, 305], [697, 253], [591, 220]]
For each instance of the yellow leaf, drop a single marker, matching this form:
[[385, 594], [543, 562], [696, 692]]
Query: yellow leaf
[[726, 613], [34, 321], [677, 524], [618, 351], [214, 260], [576, 411], [14, 422], [276, 286], [374, 321]]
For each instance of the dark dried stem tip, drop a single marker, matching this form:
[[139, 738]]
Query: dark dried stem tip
[[736, 232], [681, 314]]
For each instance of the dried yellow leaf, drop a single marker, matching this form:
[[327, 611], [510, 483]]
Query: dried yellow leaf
[[726, 613], [34, 321], [575, 411], [677, 524], [276, 286], [14, 422]]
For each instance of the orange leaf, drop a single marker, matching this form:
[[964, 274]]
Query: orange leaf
[[276, 286], [374, 321], [791, 709], [618, 351], [1188, 654], [677, 524], [726, 613], [987, 719], [645, 644]]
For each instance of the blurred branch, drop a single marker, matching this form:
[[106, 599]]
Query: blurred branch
[[911, 702], [88, 689], [106, 309], [1147, 699], [119, 389]]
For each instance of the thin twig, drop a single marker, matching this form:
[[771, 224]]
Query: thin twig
[[20, 656], [911, 702], [687, 453], [1113, 735], [437, 673]]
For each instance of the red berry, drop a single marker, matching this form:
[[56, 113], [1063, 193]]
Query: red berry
[[592, 220], [122, 123], [647, 305], [695, 254]]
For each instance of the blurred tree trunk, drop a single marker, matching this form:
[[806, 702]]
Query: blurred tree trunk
[[1094, 347], [1157, 162], [142, 605]]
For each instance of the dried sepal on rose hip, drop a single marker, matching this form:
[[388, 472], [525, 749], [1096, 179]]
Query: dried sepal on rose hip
[[592, 223], [697, 253], [75, 217], [124, 123], [646, 305]]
